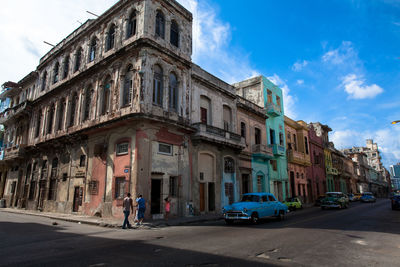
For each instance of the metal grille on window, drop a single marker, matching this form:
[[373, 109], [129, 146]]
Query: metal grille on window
[[119, 187], [122, 148], [93, 187], [229, 165], [165, 149]]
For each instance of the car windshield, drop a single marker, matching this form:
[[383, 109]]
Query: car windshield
[[250, 198], [333, 195]]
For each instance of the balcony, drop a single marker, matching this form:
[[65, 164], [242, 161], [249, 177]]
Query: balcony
[[14, 152], [332, 171], [217, 135], [278, 150], [273, 110], [262, 151], [298, 157], [15, 112]]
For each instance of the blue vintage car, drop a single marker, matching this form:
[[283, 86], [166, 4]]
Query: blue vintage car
[[253, 207], [367, 197]]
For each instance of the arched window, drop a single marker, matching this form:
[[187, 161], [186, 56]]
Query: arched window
[[50, 119], [227, 117], [87, 104], [105, 97], [243, 130], [60, 112], [131, 25], [72, 115], [44, 81], [54, 166], [56, 72], [174, 34], [66, 67], [160, 24], [78, 59], [126, 92], [158, 85], [38, 122], [173, 92], [229, 165], [110, 37], [205, 110], [92, 49]]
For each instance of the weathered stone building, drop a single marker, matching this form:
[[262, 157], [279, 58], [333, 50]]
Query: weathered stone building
[[316, 172], [265, 94], [298, 157], [117, 107]]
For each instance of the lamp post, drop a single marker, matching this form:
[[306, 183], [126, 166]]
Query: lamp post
[[394, 122]]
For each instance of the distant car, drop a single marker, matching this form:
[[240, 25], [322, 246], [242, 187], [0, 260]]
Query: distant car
[[396, 202], [253, 207], [293, 203], [357, 196], [335, 200], [351, 197], [318, 200], [367, 197]]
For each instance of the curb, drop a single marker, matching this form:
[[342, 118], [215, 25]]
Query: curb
[[159, 224]]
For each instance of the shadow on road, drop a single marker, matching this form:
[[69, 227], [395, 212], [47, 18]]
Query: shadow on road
[[32, 244], [374, 217]]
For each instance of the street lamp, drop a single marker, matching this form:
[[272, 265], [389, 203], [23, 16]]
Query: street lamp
[[394, 122]]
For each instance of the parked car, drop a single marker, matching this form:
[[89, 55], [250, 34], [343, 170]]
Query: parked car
[[318, 200], [351, 197], [335, 200], [395, 202], [367, 197], [357, 196], [253, 207], [293, 203]]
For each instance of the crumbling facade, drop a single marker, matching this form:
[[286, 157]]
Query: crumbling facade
[[264, 93], [119, 107], [298, 157]]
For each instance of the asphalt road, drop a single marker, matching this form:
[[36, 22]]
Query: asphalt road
[[366, 234]]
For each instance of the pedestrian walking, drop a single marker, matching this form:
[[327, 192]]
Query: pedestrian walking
[[128, 207], [142, 208], [167, 207]]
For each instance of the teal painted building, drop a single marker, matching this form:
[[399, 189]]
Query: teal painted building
[[265, 94]]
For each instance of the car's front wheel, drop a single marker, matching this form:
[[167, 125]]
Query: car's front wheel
[[254, 218]]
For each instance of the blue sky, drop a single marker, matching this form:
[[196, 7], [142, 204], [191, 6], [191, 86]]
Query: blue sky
[[337, 61]]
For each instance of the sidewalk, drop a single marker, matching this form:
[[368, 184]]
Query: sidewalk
[[112, 222]]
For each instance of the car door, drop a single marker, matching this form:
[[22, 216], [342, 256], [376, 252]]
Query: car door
[[272, 205], [264, 206]]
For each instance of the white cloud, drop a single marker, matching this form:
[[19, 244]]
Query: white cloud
[[25, 24], [388, 140], [300, 82], [298, 66], [211, 44], [289, 101], [356, 89], [344, 54]]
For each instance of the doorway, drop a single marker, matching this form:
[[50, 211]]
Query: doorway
[[156, 196], [77, 198], [211, 196], [202, 198], [292, 185]]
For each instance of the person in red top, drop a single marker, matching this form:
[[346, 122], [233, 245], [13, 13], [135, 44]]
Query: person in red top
[[167, 207]]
